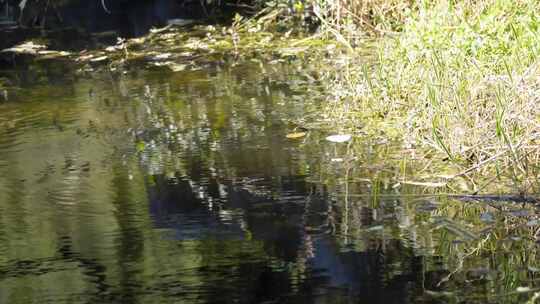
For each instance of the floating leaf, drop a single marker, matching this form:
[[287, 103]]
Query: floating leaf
[[339, 138], [296, 135]]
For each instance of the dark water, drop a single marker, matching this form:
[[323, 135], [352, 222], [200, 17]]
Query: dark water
[[158, 187]]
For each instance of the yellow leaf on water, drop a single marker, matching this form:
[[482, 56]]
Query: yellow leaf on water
[[296, 135]]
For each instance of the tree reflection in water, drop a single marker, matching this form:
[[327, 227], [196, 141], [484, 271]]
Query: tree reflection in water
[[183, 187]]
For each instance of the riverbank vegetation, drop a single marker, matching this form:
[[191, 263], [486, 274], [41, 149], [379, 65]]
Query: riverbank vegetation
[[455, 82], [454, 85]]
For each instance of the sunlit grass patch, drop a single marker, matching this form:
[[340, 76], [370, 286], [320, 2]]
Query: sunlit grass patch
[[459, 84]]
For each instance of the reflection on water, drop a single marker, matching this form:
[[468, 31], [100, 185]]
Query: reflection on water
[[152, 187]]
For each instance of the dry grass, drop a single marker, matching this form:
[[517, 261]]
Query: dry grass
[[374, 15]]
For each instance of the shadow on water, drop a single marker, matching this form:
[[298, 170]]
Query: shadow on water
[[82, 24], [159, 187]]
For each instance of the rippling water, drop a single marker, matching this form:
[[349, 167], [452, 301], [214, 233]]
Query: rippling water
[[154, 187]]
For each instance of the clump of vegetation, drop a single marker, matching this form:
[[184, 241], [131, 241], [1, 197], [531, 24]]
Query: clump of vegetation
[[457, 85], [358, 18]]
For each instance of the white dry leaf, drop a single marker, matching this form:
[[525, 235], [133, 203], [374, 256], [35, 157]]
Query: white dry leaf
[[339, 138]]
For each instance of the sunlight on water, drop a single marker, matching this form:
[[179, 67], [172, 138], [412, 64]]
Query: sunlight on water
[[153, 187]]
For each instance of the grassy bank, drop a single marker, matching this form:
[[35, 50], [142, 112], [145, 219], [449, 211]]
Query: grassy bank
[[456, 82]]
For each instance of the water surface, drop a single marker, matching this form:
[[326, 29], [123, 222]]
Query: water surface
[[157, 187]]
